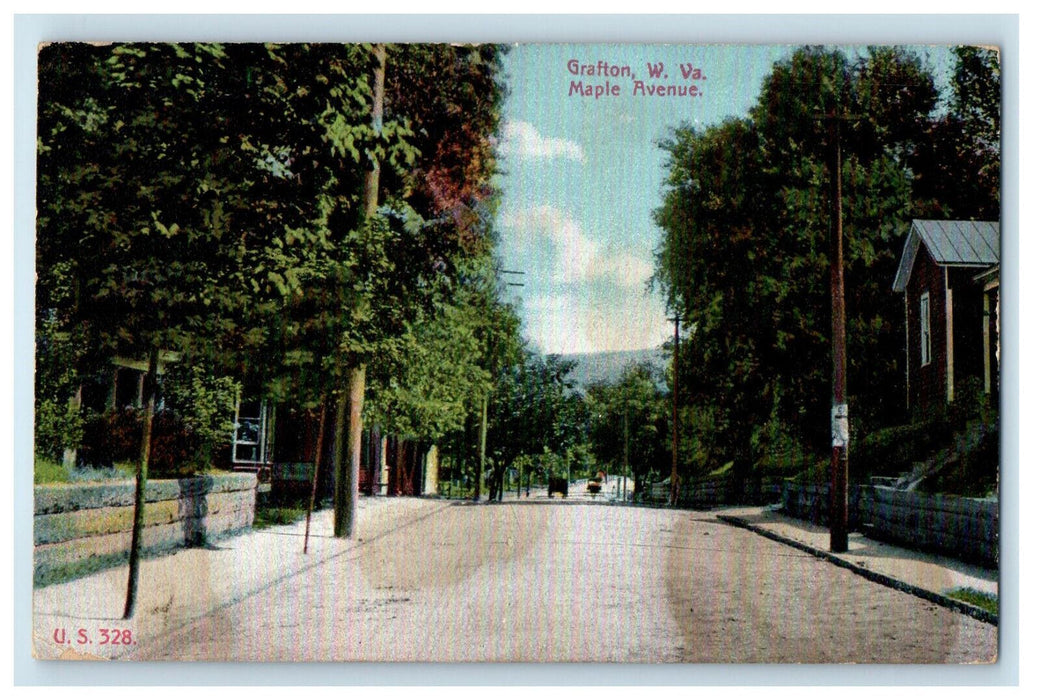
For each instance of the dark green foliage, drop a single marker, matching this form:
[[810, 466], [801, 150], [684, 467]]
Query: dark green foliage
[[536, 421], [110, 437], [114, 437], [447, 358], [893, 451], [57, 425], [536, 412], [957, 166], [744, 254], [58, 422], [206, 198], [976, 92], [961, 443], [197, 419], [972, 471]]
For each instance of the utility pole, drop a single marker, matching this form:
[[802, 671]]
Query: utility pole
[[624, 487], [317, 467], [839, 515], [674, 499], [498, 478], [483, 447], [141, 483]]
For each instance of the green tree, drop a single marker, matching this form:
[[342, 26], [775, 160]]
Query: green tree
[[957, 166], [976, 93], [188, 192], [629, 425], [120, 218], [223, 202], [747, 201], [537, 412]]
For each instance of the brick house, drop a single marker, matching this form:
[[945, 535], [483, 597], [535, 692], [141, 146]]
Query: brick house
[[949, 278], [278, 442]]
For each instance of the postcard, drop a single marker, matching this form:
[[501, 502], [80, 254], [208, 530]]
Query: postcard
[[462, 352]]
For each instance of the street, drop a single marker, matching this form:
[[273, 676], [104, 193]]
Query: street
[[572, 582]]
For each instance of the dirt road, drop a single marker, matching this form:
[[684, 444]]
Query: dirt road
[[524, 582]]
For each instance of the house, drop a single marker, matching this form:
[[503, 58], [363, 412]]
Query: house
[[116, 390], [950, 281], [279, 443]]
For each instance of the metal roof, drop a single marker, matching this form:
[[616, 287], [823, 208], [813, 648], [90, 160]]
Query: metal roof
[[960, 243]]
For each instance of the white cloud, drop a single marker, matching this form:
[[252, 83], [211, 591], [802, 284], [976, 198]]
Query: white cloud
[[522, 140], [595, 297], [627, 270], [571, 322], [556, 241]]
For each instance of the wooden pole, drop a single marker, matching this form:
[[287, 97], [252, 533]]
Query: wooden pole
[[674, 498], [839, 516], [356, 396], [141, 483], [483, 448], [317, 468], [624, 488]]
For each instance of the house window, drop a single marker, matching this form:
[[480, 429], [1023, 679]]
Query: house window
[[128, 388], [248, 441], [926, 330]]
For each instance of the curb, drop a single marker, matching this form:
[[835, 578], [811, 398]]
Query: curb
[[885, 580]]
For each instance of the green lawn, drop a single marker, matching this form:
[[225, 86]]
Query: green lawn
[[986, 601], [269, 516]]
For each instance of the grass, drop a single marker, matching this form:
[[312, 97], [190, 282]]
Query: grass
[[721, 471], [74, 570], [986, 601], [269, 516], [48, 471]]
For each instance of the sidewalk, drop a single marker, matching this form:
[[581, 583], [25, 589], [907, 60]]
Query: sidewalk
[[70, 619], [929, 576], [179, 588]]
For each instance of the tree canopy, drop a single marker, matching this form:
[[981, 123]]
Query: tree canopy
[[207, 198], [743, 256]]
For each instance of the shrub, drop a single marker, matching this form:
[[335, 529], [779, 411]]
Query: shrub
[[58, 425], [110, 437], [973, 472], [892, 451], [200, 411], [176, 451]]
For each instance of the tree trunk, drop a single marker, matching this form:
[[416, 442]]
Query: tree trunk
[[347, 475], [348, 412], [142, 482]]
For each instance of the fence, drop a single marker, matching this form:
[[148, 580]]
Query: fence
[[965, 528]]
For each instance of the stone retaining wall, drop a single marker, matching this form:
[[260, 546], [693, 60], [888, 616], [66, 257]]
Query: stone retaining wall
[[723, 492], [964, 528], [83, 527], [812, 502]]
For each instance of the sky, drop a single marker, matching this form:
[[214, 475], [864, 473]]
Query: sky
[[582, 174]]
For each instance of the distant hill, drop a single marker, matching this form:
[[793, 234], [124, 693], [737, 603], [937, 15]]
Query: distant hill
[[608, 367]]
